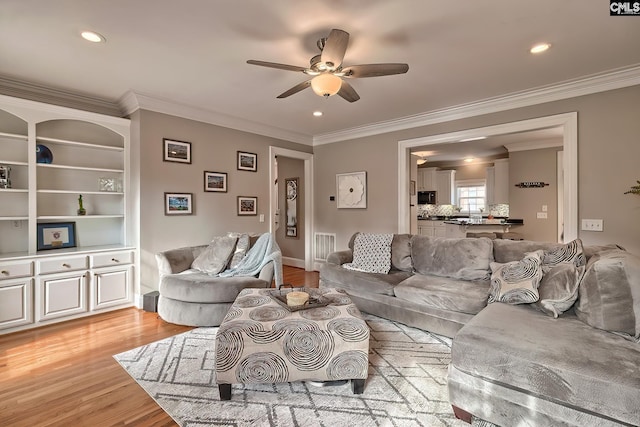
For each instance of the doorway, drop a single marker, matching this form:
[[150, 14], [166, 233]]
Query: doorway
[[568, 122], [277, 213]]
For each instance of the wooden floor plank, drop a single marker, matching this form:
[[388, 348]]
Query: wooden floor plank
[[65, 375]]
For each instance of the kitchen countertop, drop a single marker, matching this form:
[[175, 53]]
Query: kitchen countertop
[[466, 221]]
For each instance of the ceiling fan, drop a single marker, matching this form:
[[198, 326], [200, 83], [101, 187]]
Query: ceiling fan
[[327, 70]]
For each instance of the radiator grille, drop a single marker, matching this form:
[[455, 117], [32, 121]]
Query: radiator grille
[[324, 244]]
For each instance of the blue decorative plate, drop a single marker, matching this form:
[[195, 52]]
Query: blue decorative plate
[[43, 154]]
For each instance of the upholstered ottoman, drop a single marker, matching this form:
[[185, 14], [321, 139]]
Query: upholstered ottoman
[[261, 341]]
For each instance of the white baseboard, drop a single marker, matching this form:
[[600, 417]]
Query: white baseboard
[[293, 262]]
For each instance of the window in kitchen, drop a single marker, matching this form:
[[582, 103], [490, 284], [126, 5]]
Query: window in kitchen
[[471, 195]]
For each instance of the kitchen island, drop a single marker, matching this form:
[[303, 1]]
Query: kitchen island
[[461, 226]]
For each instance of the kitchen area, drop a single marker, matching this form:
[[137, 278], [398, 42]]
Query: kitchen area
[[438, 213]]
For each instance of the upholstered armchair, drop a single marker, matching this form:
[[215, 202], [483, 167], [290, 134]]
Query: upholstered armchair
[[189, 295]]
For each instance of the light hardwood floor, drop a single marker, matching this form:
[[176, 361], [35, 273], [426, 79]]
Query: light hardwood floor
[[65, 375]]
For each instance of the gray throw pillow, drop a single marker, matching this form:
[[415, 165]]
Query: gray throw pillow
[[609, 293], [215, 257], [563, 268], [516, 282]]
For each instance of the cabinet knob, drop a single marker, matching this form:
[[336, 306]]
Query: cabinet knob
[[5, 272], [66, 265], [114, 260]]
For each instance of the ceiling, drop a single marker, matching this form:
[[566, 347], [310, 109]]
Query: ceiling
[[194, 54]]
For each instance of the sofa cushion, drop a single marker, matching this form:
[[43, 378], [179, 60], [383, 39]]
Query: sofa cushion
[[465, 259], [197, 287], [401, 252], [516, 282], [371, 253], [215, 257], [609, 293], [376, 283], [462, 296], [515, 250], [559, 360]]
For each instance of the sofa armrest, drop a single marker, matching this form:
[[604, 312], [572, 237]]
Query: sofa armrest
[[177, 260], [340, 257], [267, 272]]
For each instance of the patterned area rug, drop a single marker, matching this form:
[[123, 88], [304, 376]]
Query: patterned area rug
[[406, 384]]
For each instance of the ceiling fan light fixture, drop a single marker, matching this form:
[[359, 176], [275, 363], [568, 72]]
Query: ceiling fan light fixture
[[326, 84], [421, 161]]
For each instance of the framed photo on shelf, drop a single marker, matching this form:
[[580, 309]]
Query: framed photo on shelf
[[215, 182], [247, 205], [247, 161], [178, 203], [56, 235], [352, 190], [176, 151]]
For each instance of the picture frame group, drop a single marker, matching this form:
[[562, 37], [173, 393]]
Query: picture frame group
[[56, 235]]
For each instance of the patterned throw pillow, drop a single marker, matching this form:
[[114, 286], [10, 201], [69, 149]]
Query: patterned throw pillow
[[563, 268], [371, 253], [215, 257], [516, 282]]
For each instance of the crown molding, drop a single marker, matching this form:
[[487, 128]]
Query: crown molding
[[614, 79], [60, 97], [132, 101], [533, 145]]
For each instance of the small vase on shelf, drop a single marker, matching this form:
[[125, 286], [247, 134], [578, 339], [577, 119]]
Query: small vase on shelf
[[81, 209]]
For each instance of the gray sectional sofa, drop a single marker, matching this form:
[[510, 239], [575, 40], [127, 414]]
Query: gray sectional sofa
[[571, 358]]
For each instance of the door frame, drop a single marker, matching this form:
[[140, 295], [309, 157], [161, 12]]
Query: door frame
[[567, 121], [308, 198]]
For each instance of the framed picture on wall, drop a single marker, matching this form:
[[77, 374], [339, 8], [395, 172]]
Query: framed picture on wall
[[247, 205], [176, 151], [215, 182], [352, 190], [291, 206], [178, 203], [247, 161]]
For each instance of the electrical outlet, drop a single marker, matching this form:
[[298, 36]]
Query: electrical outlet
[[541, 215], [592, 225]]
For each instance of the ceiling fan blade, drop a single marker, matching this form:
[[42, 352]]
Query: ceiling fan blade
[[348, 92], [297, 88], [276, 65], [374, 70], [335, 48]]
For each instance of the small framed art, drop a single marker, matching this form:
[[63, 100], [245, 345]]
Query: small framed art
[[56, 235], [247, 161], [176, 151], [178, 203], [215, 182], [352, 190], [247, 205]]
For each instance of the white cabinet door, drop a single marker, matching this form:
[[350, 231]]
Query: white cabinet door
[[111, 287], [439, 232], [446, 187], [62, 295], [16, 306]]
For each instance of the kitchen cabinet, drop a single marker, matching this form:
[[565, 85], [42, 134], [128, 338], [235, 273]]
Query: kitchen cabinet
[[497, 182], [445, 187], [427, 179], [431, 228]]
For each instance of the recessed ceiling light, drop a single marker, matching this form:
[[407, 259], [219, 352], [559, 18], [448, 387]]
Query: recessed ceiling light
[[93, 37], [468, 159], [475, 138], [317, 113], [540, 47]]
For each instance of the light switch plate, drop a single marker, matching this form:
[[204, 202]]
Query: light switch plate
[[592, 225], [541, 215]]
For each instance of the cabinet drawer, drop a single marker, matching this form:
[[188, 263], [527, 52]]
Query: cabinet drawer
[[17, 269], [112, 258], [60, 265]]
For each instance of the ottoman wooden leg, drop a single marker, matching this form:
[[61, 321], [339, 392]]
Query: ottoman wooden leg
[[357, 386], [225, 391]]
